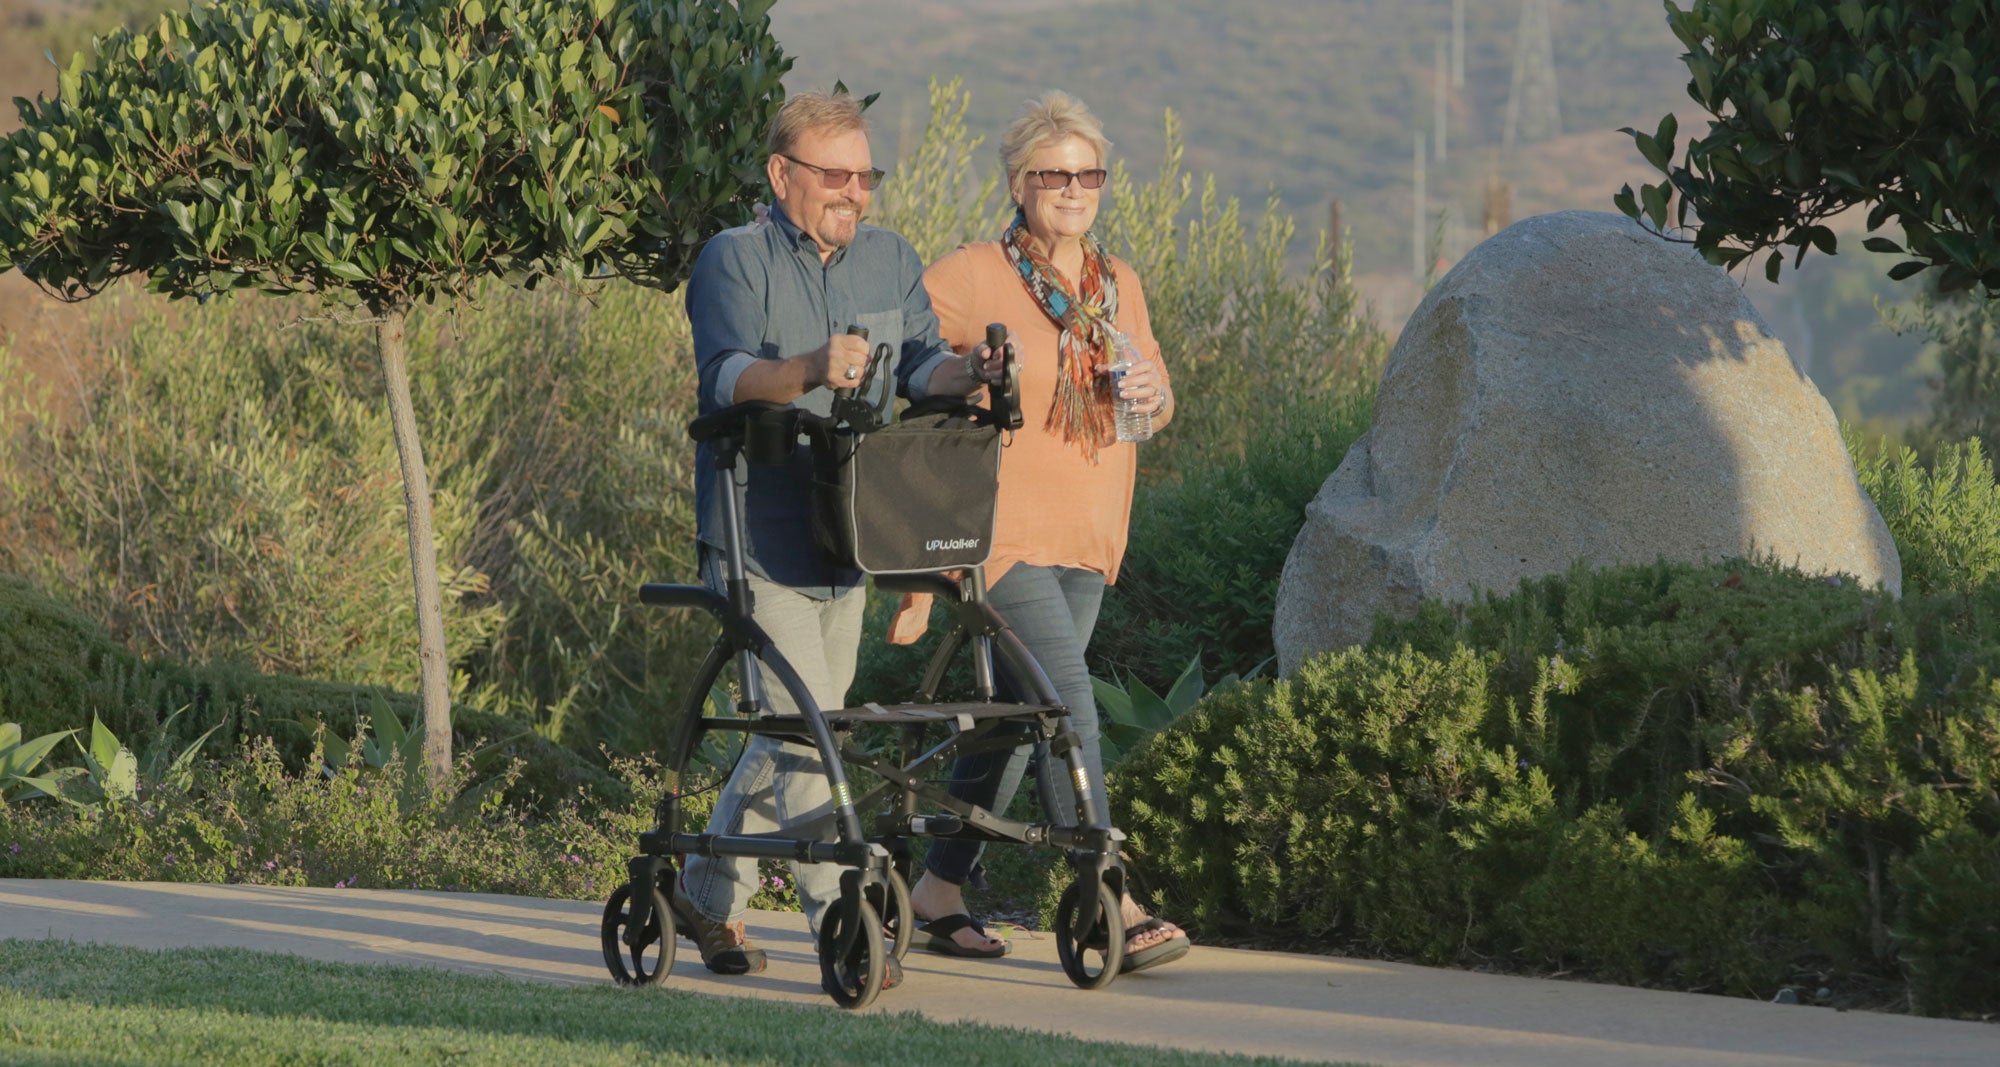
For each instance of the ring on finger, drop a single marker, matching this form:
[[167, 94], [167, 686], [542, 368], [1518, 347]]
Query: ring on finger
[[850, 374]]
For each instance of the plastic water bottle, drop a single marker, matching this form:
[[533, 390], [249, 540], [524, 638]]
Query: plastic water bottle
[[1133, 425]]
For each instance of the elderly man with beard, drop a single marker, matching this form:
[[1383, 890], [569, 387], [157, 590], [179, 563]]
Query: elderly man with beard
[[770, 305]]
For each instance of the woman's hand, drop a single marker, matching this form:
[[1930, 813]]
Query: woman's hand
[[988, 366], [973, 371], [1142, 383]]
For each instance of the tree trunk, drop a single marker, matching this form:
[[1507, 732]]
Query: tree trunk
[[423, 544]]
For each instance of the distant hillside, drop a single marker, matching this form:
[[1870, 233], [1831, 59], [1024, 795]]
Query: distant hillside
[[1321, 98], [1316, 99], [1312, 98]]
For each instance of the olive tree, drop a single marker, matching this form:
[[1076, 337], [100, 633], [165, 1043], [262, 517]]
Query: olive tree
[[1818, 106], [374, 155]]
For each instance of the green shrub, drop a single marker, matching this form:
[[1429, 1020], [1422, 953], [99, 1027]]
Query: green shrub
[[251, 818], [229, 493], [1948, 926], [1945, 516], [1719, 777], [58, 671], [1200, 577]]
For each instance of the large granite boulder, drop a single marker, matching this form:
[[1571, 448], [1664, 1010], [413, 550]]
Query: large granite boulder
[[1575, 389]]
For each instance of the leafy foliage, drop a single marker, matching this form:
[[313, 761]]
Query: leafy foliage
[[397, 153], [58, 671], [18, 760], [1723, 776], [252, 818], [1201, 578], [1129, 711], [935, 197], [227, 494], [389, 155], [1964, 333], [1945, 514], [1822, 107]]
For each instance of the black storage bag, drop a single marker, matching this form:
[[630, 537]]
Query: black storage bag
[[916, 495]]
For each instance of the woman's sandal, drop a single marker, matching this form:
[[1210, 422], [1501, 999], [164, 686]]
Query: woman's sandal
[[1166, 951], [937, 938]]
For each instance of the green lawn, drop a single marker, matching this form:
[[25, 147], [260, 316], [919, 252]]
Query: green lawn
[[72, 1004]]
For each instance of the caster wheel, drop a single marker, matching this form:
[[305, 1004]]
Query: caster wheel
[[1090, 941], [896, 914], [652, 958], [851, 953]]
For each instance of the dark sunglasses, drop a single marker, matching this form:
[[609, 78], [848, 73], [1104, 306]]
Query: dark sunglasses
[[1059, 179], [836, 178]]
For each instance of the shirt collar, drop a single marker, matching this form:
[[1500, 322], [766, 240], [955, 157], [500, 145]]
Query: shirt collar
[[797, 238]]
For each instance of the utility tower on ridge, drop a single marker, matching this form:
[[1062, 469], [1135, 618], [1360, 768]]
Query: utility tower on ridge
[[1533, 113]]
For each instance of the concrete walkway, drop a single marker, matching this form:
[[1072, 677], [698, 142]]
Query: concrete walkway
[[1306, 1007]]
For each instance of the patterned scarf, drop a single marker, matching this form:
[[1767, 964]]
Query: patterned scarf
[[1082, 412]]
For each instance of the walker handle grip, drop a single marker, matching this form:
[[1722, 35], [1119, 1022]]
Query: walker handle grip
[[1006, 393], [848, 393]]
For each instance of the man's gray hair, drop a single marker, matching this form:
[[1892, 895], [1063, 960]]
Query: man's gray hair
[[827, 112]]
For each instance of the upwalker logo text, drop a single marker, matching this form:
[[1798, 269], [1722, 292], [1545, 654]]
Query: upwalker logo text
[[952, 545]]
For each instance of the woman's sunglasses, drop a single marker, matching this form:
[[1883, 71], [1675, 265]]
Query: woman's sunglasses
[[1060, 179]]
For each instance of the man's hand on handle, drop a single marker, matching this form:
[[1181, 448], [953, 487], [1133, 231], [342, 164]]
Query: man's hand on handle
[[782, 381], [840, 364]]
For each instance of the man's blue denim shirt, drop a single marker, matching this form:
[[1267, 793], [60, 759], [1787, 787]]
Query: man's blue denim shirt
[[760, 292]]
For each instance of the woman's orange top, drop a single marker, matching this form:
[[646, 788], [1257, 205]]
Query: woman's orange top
[[1057, 508]]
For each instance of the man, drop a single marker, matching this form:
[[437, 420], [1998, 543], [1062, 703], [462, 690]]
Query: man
[[770, 305]]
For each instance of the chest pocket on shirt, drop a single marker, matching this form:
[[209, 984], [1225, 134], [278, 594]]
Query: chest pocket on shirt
[[885, 345]]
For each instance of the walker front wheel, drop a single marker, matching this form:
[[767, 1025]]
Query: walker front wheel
[[651, 955], [1090, 942], [851, 953]]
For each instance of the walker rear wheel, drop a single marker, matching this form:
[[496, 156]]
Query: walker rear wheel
[[896, 915]]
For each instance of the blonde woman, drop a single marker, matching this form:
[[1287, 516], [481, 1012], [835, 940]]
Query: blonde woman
[[1066, 481]]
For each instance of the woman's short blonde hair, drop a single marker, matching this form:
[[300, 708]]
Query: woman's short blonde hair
[[1054, 116], [831, 112]]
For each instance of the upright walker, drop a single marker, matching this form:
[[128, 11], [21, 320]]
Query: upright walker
[[871, 478]]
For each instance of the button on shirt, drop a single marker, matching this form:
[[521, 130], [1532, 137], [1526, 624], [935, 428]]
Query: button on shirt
[[761, 292]]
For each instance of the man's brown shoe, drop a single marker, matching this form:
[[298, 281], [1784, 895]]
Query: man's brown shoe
[[725, 947]]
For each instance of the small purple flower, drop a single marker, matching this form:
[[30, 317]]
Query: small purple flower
[[778, 884], [343, 883], [270, 865], [13, 847], [170, 859]]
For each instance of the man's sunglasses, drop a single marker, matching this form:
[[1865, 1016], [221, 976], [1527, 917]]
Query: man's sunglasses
[[1059, 179], [836, 178]]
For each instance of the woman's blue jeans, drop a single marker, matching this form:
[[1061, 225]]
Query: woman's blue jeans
[[1052, 610]]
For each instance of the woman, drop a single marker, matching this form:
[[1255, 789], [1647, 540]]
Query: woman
[[1065, 482]]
